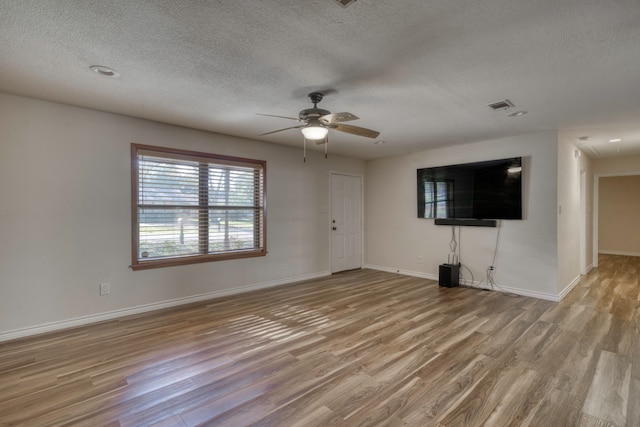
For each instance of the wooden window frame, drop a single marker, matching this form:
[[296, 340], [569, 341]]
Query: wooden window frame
[[204, 159]]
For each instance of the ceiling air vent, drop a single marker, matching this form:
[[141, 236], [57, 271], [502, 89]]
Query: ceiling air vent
[[345, 3], [505, 104]]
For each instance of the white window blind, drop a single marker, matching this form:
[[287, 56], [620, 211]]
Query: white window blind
[[196, 207]]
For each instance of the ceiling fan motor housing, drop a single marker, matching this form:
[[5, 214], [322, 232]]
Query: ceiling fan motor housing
[[312, 113], [315, 112]]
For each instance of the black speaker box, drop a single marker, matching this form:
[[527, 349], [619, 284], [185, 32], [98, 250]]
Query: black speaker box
[[449, 275]]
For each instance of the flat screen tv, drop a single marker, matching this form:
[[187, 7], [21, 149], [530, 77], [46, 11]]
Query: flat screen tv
[[481, 190]]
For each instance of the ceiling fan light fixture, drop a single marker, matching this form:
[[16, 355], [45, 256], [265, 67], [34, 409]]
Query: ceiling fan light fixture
[[314, 132]]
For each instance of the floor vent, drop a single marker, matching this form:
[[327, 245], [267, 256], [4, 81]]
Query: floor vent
[[505, 104]]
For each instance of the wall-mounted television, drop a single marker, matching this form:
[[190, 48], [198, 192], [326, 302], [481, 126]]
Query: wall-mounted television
[[481, 190]]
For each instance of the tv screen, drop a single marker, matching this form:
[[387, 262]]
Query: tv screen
[[481, 190]]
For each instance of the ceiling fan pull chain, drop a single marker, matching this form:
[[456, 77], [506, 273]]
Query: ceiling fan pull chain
[[304, 150], [326, 140]]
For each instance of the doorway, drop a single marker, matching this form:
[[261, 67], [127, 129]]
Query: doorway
[[597, 214]]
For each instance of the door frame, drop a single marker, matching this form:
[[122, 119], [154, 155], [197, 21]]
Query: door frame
[[329, 224], [596, 195]]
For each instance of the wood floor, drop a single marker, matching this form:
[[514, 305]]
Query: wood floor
[[358, 348]]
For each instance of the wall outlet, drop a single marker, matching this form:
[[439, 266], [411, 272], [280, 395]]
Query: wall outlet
[[420, 259], [105, 289]]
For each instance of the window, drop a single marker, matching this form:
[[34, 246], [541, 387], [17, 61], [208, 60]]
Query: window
[[190, 207], [438, 199]]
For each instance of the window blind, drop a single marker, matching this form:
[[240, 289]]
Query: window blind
[[195, 207]]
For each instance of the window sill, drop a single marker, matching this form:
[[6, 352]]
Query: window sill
[[171, 262]]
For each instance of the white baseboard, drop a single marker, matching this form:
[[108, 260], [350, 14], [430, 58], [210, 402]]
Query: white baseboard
[[528, 293], [501, 288], [625, 253], [569, 287], [401, 271], [115, 314]]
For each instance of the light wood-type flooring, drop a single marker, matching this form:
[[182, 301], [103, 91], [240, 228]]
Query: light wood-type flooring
[[357, 348]]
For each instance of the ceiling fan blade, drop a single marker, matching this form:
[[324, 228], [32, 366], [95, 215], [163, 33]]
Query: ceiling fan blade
[[338, 117], [356, 130], [280, 130], [282, 117]]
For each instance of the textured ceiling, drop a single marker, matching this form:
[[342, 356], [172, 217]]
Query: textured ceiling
[[420, 72]]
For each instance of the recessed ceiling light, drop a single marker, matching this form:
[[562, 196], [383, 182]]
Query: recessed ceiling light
[[615, 140], [105, 71], [380, 142], [517, 114]]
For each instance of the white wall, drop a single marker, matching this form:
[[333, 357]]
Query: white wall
[[527, 251], [65, 216], [568, 214], [587, 166], [623, 165]]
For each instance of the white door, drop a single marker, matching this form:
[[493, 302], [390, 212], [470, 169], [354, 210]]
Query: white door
[[346, 222]]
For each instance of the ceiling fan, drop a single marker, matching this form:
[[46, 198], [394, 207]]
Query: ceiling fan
[[316, 123]]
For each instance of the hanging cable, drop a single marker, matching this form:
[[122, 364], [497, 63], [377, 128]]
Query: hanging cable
[[453, 245], [470, 273], [459, 245], [490, 281], [462, 266], [495, 251], [326, 144]]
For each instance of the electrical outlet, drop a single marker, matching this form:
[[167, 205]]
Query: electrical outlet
[[419, 259], [105, 289]]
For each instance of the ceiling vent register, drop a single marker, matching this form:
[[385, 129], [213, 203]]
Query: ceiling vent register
[[345, 3], [505, 104]]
